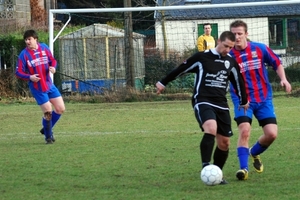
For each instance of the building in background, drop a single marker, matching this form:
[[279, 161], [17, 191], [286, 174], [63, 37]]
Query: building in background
[[277, 26], [93, 58], [18, 13]]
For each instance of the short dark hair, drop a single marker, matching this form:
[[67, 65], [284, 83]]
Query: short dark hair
[[227, 35], [30, 33], [206, 24], [238, 23]]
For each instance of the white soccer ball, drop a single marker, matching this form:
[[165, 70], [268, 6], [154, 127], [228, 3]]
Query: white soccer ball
[[211, 175]]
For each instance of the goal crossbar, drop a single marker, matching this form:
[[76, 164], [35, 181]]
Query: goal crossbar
[[137, 9]]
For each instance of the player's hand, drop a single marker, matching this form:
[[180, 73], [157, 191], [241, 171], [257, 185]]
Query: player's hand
[[287, 85], [52, 70], [35, 78], [159, 88], [245, 107]]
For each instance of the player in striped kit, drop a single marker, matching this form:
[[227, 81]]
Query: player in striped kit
[[34, 64], [251, 57]]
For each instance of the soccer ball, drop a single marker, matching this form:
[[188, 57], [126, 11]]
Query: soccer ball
[[211, 175]]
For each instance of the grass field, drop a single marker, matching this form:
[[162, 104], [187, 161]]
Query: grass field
[[135, 151]]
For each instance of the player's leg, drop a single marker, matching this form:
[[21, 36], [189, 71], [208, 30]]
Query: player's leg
[[59, 108], [221, 153], [244, 127], [58, 104], [222, 150], [42, 100], [267, 120], [55, 118], [243, 150], [208, 141], [207, 121], [224, 132], [47, 121]]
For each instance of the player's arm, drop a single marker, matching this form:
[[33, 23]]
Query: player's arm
[[272, 59], [51, 60], [200, 42], [238, 83], [185, 67], [21, 68], [22, 74], [159, 87], [283, 81]]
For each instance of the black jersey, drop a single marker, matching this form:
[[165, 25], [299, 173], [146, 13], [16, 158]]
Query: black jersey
[[212, 75]]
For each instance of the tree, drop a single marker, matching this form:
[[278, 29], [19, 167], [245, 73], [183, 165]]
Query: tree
[[38, 14], [129, 60]]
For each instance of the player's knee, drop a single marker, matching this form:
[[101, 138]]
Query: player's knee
[[270, 132], [224, 145], [223, 142], [210, 128], [245, 133], [48, 116], [271, 136], [60, 110]]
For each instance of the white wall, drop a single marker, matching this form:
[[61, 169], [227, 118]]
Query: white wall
[[182, 35], [289, 60]]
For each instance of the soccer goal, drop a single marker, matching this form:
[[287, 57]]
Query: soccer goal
[[97, 56]]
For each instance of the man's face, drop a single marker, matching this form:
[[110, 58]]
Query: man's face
[[240, 37], [207, 29], [224, 47], [31, 42]]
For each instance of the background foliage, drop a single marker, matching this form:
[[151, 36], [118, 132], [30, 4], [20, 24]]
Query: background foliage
[[156, 67]]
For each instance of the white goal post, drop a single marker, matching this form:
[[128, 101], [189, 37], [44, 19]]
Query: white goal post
[[137, 9], [101, 58]]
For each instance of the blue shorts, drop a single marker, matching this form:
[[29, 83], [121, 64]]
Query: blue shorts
[[43, 97], [264, 113]]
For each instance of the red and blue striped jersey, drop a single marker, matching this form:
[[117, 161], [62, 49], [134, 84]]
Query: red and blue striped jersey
[[36, 62], [253, 62]]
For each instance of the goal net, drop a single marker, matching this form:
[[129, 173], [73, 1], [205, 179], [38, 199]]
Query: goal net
[[136, 46]]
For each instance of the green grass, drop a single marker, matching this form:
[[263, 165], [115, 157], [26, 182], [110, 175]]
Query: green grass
[[135, 151]]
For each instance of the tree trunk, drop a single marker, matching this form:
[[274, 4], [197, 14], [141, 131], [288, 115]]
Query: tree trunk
[[129, 54]]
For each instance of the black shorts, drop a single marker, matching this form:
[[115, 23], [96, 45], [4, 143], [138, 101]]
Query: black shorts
[[204, 112]]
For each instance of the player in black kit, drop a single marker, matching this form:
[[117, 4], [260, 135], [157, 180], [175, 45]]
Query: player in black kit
[[213, 70]]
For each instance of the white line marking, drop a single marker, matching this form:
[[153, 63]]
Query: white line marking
[[9, 136]]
